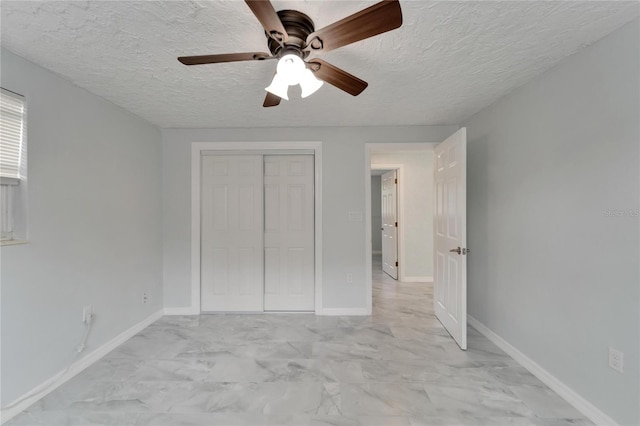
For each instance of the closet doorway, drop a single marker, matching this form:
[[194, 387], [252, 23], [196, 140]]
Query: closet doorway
[[257, 232]]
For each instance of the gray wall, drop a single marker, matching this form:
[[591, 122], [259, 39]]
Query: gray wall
[[416, 240], [94, 227], [343, 180], [376, 213], [549, 270]]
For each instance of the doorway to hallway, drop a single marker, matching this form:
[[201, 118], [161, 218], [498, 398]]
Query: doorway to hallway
[[417, 230]]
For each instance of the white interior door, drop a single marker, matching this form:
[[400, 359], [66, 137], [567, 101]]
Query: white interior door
[[450, 225], [289, 233], [232, 233], [390, 224]]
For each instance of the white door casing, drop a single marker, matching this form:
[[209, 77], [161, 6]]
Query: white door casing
[[389, 224], [288, 233], [232, 233], [450, 236], [199, 149]]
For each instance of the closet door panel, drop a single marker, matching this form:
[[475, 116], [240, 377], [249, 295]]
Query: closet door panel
[[232, 272], [289, 233]]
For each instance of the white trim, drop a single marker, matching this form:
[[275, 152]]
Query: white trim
[[421, 279], [376, 251], [5, 180], [572, 397], [264, 147], [187, 310], [345, 312], [404, 146], [12, 242], [58, 379], [368, 237]]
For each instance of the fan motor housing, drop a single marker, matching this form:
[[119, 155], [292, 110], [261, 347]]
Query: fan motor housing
[[298, 27]]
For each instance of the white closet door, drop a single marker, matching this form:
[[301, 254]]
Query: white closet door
[[232, 233], [289, 233]]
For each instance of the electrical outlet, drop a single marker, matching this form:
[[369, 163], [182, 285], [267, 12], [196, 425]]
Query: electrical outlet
[[616, 359], [349, 278], [145, 297], [87, 311]]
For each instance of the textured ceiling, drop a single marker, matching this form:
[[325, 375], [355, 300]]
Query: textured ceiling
[[447, 61]]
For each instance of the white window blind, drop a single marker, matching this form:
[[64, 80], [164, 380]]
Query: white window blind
[[11, 133]]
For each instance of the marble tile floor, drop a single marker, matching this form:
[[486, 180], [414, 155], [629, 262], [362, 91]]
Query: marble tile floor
[[396, 367]]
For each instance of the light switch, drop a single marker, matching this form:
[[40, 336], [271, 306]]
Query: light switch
[[355, 216]]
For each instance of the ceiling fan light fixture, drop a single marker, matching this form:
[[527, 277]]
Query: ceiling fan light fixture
[[278, 87], [309, 83], [291, 70], [292, 37]]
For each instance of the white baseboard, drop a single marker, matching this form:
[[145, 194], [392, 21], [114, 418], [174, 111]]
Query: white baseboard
[[327, 311], [187, 310], [60, 378], [344, 312], [423, 279], [572, 397]]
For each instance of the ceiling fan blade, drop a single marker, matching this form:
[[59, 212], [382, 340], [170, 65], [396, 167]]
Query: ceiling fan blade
[[377, 19], [268, 17], [271, 100], [226, 57], [337, 77]]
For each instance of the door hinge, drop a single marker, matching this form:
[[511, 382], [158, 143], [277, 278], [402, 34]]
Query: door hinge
[[396, 224], [395, 180], [396, 264]]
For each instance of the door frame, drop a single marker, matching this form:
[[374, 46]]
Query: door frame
[[266, 148], [387, 147]]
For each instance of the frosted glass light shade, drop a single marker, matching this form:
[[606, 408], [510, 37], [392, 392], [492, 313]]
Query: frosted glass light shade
[[309, 83], [291, 68], [278, 87]]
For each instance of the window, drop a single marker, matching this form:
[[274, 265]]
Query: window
[[12, 118]]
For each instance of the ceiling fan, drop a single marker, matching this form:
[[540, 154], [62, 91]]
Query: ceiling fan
[[291, 38]]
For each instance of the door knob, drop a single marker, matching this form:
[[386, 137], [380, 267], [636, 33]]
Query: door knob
[[456, 250]]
